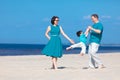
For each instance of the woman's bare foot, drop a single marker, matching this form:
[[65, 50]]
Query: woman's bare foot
[[54, 63], [53, 67]]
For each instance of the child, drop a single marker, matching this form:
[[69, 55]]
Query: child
[[83, 39]]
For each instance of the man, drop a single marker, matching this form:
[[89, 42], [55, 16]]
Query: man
[[96, 31]]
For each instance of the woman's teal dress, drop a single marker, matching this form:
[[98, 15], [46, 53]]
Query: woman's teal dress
[[54, 46]]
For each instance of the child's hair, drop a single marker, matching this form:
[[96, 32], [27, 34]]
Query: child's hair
[[78, 33]]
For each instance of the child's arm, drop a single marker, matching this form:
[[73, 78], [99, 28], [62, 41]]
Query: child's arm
[[86, 32]]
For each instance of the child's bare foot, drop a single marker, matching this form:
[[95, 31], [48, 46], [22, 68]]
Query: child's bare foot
[[81, 54], [68, 48]]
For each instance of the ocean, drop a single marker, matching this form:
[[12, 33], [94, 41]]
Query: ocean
[[35, 49]]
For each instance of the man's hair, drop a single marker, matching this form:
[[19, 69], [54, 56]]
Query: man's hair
[[78, 33], [95, 15], [53, 19]]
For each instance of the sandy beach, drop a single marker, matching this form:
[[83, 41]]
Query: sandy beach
[[70, 66]]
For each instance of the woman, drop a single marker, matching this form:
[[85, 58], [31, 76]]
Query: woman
[[54, 46]]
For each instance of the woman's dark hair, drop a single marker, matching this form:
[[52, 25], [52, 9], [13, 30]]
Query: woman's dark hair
[[53, 19], [95, 15], [78, 33]]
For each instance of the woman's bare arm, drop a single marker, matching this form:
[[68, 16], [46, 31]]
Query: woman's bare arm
[[62, 32], [47, 32]]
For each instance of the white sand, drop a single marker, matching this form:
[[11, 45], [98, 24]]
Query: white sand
[[37, 67]]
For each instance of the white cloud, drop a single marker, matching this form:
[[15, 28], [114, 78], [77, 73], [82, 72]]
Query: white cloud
[[46, 19], [118, 18], [23, 24], [105, 17], [86, 17], [117, 23], [102, 17]]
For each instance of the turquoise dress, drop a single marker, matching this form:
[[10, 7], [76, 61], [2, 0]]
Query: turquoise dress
[[54, 45]]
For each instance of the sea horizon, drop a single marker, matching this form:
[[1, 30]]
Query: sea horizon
[[13, 49]]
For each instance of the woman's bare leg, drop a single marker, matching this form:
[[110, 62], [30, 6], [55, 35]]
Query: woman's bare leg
[[54, 62]]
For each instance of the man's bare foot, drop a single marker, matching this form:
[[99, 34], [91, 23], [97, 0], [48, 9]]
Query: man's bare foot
[[101, 66]]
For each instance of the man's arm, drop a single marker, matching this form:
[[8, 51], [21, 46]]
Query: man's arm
[[95, 30]]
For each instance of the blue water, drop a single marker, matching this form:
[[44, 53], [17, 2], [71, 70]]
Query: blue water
[[35, 49]]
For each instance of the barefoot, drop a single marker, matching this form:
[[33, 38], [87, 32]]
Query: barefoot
[[53, 67], [81, 54], [56, 68], [101, 66], [68, 48]]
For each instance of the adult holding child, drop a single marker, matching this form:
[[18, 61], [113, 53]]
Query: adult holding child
[[96, 31]]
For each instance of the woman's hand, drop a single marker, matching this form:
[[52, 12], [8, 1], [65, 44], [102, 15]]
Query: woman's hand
[[72, 42]]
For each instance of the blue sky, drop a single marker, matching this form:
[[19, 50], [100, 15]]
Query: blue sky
[[25, 21]]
